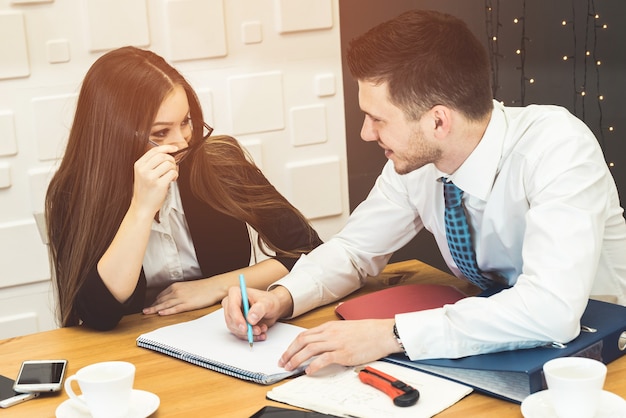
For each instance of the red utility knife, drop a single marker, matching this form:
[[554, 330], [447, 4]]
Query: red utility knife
[[401, 393]]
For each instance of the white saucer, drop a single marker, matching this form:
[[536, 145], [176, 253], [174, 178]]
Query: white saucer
[[142, 405], [538, 405]]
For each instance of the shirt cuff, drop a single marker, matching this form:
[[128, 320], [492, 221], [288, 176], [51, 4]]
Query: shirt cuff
[[418, 341], [305, 291]]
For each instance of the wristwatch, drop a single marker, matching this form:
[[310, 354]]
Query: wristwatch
[[397, 337]]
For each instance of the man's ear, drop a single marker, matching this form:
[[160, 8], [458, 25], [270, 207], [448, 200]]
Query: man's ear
[[441, 117]]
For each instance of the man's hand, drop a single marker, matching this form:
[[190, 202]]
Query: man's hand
[[265, 309], [348, 343]]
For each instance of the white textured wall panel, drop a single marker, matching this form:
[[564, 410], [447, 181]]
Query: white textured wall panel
[[325, 85], [23, 257], [308, 125], [58, 51], [26, 309], [256, 103], [38, 180], [30, 1], [255, 150], [315, 187], [8, 142], [251, 32], [5, 175], [196, 29], [205, 96], [115, 23], [13, 48], [52, 118], [301, 15], [17, 324]]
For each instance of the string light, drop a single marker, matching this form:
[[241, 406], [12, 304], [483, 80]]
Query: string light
[[586, 30], [600, 96], [492, 26], [521, 51], [589, 60], [592, 21]]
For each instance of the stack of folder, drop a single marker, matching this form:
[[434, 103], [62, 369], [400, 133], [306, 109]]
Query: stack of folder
[[510, 375]]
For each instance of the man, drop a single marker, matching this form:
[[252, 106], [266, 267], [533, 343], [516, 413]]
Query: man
[[544, 214]]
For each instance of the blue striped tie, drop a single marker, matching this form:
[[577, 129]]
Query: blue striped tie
[[458, 236]]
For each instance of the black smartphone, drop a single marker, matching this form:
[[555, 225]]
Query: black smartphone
[[9, 397], [277, 412], [40, 376]]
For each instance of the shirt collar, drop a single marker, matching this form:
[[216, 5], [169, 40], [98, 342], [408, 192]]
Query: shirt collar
[[478, 172]]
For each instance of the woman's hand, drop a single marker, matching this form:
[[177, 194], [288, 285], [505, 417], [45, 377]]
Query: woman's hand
[[154, 171], [187, 296], [197, 294]]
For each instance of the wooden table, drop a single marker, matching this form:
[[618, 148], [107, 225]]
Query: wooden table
[[186, 390]]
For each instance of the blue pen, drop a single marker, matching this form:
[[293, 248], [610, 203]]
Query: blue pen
[[246, 306]]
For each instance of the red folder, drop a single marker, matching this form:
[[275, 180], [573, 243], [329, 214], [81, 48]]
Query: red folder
[[387, 303]]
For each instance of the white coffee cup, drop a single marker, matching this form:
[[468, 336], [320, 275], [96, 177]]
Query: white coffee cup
[[575, 385], [106, 388]]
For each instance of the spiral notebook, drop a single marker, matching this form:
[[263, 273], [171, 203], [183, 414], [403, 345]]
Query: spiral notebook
[[206, 342]]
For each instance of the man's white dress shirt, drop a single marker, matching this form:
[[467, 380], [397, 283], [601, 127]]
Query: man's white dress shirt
[[545, 216]]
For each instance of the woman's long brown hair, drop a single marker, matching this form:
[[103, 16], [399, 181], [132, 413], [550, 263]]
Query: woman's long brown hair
[[91, 191]]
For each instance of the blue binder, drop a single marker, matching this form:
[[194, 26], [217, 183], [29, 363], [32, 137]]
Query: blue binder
[[513, 375]]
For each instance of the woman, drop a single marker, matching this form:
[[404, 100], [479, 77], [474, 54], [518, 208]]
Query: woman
[[147, 212]]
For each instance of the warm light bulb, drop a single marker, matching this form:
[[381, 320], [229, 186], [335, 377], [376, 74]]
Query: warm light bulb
[[587, 53], [598, 62], [600, 97], [494, 38], [517, 51], [565, 57], [516, 20], [564, 22], [531, 81], [605, 26], [582, 93], [611, 164], [610, 129]]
